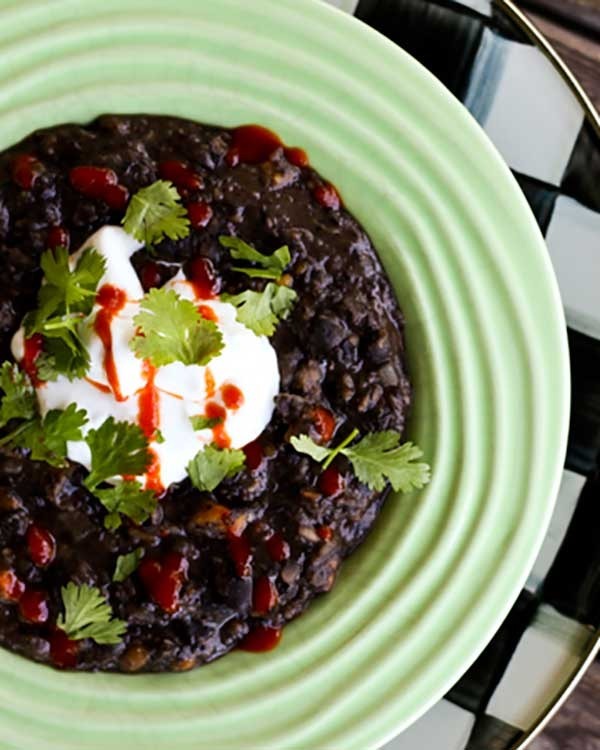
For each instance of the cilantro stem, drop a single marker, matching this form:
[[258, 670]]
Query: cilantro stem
[[63, 322], [11, 435], [340, 448]]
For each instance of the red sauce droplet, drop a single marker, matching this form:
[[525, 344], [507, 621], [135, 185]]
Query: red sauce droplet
[[220, 436], [180, 174], [200, 214], [111, 299], [202, 276], [264, 595], [33, 606], [58, 236], [149, 422], [232, 397], [153, 480], [277, 547], [254, 455], [327, 196], [296, 156], [25, 170], [331, 481], [63, 651], [33, 347], [164, 579], [150, 275], [11, 587], [115, 196], [208, 314], [41, 545], [92, 181], [324, 423], [252, 144], [148, 403], [261, 639], [209, 382], [240, 553], [325, 532], [99, 386]]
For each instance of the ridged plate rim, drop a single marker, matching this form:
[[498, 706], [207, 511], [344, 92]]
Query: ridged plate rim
[[487, 348]]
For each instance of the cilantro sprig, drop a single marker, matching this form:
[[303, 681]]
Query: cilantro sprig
[[212, 465], [262, 311], [127, 498], [269, 266], [120, 448], [64, 299], [88, 615], [47, 438], [127, 564], [170, 329], [116, 448], [18, 401], [376, 459], [155, 212]]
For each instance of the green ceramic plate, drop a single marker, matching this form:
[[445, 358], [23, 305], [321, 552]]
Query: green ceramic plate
[[487, 352]]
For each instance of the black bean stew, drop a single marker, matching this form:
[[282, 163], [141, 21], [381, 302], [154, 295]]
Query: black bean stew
[[227, 568]]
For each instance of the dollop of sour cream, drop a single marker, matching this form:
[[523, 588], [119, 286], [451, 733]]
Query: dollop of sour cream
[[239, 385]]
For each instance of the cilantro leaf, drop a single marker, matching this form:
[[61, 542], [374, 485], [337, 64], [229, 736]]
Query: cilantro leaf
[[47, 438], [211, 466], [270, 266], [89, 615], [261, 311], [127, 498], [63, 354], [127, 564], [376, 459], [379, 457], [172, 330], [116, 448], [19, 400], [155, 212], [205, 423], [75, 290], [304, 444], [63, 300]]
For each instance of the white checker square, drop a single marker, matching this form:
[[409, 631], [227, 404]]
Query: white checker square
[[444, 726], [527, 110], [348, 5], [481, 6], [573, 238], [568, 495], [549, 651]]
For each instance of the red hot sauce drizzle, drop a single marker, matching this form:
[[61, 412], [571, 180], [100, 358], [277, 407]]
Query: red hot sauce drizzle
[[254, 455], [201, 275], [220, 437], [232, 397], [261, 639], [240, 552], [111, 300], [148, 403], [33, 347], [25, 170], [254, 144], [149, 421]]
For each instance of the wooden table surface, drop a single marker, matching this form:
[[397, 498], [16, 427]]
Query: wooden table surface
[[573, 27]]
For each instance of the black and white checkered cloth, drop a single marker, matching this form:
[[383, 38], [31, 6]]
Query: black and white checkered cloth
[[540, 128]]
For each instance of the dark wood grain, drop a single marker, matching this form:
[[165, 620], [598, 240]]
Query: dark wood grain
[[579, 51], [577, 724], [581, 14]]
